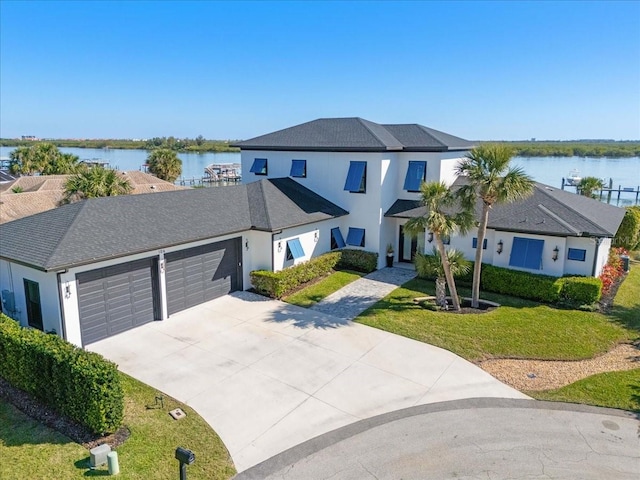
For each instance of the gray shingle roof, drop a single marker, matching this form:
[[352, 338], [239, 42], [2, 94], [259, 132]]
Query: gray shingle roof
[[548, 211], [104, 228], [356, 134]]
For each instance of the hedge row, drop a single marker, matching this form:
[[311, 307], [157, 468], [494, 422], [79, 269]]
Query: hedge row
[[278, 284], [79, 384], [359, 260], [542, 288]]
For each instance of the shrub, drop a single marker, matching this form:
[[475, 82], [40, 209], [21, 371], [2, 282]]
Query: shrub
[[580, 290], [359, 260], [628, 234], [79, 384], [278, 284], [542, 288]]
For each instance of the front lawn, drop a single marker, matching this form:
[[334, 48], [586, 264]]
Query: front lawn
[[612, 389], [30, 450], [312, 294], [518, 329]]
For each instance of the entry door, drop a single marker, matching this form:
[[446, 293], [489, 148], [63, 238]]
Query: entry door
[[410, 245], [34, 309]]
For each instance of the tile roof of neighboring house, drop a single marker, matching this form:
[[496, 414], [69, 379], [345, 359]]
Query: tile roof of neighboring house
[[358, 135], [548, 211], [104, 228], [44, 192]]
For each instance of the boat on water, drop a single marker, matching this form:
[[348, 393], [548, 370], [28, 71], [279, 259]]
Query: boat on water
[[227, 172], [574, 178]]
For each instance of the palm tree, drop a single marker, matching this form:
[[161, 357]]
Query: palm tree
[[63, 164], [589, 185], [165, 164], [430, 265], [447, 212], [21, 161], [494, 182], [95, 182]]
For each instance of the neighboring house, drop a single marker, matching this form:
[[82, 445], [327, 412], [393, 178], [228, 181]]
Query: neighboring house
[[95, 268], [43, 192], [101, 266]]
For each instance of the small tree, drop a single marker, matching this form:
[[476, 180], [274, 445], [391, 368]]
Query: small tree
[[628, 234], [165, 164], [432, 265], [588, 186], [95, 182]]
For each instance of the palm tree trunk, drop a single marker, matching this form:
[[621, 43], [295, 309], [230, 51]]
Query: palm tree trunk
[[477, 267], [447, 273], [441, 292]]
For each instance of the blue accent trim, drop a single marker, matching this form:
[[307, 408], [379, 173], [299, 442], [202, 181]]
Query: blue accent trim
[[336, 236], [475, 243], [416, 174], [355, 237], [356, 177], [295, 248], [526, 253], [298, 168], [259, 166], [576, 254]]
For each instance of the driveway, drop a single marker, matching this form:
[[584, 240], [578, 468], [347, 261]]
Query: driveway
[[267, 375]]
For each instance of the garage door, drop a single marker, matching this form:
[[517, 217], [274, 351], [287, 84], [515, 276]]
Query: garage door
[[200, 274], [114, 299]]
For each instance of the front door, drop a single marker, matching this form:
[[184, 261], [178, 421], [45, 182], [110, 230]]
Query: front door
[[34, 309], [410, 245]]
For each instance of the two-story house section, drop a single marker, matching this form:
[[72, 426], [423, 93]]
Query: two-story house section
[[362, 166]]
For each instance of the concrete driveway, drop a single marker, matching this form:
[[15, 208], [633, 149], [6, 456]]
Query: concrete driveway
[[267, 375]]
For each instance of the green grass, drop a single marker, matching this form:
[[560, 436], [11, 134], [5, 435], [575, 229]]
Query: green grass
[[39, 452], [312, 294], [626, 305], [613, 389], [518, 329]]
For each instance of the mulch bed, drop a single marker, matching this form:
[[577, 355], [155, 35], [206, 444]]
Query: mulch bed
[[52, 419]]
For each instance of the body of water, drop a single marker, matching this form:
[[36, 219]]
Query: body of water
[[625, 172]]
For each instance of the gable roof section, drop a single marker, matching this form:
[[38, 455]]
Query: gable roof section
[[104, 228], [548, 211], [357, 135]]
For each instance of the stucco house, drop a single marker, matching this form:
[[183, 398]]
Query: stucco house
[[96, 268]]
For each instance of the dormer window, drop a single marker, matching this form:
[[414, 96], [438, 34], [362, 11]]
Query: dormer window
[[357, 178], [416, 174], [259, 166]]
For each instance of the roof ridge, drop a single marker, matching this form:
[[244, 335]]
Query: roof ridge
[[589, 221], [264, 201], [79, 209], [364, 122]]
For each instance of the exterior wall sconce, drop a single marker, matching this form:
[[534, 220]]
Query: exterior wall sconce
[[246, 244], [315, 236], [67, 290], [430, 237], [556, 251], [500, 246], [279, 245]]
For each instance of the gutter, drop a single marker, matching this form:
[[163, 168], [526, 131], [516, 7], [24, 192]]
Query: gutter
[[63, 324], [595, 256]]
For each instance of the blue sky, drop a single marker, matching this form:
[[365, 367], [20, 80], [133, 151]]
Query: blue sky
[[479, 70]]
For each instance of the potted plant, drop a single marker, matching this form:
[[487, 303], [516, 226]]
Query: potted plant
[[389, 255]]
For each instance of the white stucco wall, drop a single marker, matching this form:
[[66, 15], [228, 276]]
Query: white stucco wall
[[315, 240], [575, 267], [12, 277], [603, 255], [465, 245]]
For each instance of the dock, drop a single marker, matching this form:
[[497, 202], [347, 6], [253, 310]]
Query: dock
[[608, 193]]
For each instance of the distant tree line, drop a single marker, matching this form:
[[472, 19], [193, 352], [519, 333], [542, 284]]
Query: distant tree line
[[198, 144], [576, 149]]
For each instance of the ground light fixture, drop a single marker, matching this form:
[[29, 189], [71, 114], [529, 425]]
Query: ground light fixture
[[185, 457]]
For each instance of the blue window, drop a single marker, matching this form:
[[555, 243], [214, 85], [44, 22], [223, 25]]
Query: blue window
[[577, 254], [336, 239], [416, 174], [446, 239], [298, 168], [475, 243], [259, 166], [526, 253], [294, 249], [355, 237], [357, 178]]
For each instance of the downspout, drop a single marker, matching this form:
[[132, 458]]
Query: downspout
[[61, 303], [595, 256]]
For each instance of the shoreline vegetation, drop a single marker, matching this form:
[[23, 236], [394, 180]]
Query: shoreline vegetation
[[581, 148]]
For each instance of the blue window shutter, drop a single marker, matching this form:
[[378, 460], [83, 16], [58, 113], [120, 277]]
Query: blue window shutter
[[526, 253], [356, 176], [518, 252], [298, 168], [336, 236], [355, 237], [415, 176], [259, 166], [296, 249], [577, 254]]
